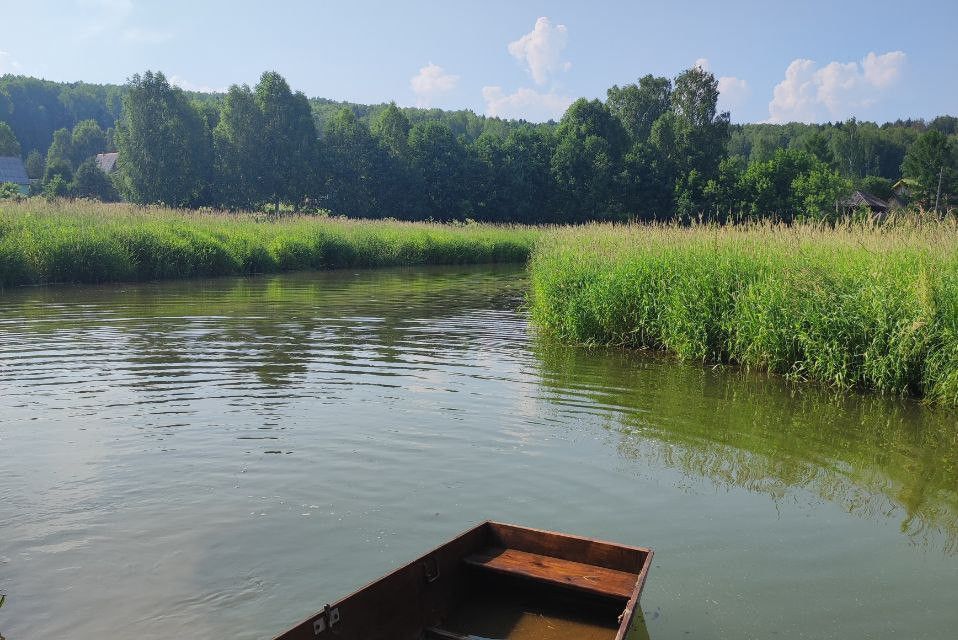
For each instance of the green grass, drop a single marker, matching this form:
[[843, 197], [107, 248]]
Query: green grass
[[86, 242], [857, 306]]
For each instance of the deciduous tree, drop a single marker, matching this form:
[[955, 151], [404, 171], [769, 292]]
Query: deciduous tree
[[165, 150]]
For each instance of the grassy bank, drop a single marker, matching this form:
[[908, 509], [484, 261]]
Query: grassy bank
[[858, 306], [44, 242]]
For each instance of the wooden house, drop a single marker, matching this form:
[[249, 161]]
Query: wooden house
[[858, 199]]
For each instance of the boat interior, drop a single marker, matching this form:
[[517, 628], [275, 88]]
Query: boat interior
[[497, 582]]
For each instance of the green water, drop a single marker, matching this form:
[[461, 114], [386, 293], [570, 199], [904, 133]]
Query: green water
[[221, 458]]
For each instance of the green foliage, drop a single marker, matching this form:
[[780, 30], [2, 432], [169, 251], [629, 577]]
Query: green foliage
[[90, 182], [56, 187], [354, 165], [86, 140], [931, 162], [9, 145], [437, 160], [9, 191], [877, 186], [238, 144], [165, 148], [35, 165], [59, 168], [40, 107], [288, 140], [851, 306], [654, 150], [766, 188], [90, 242], [61, 149], [391, 127], [638, 106], [816, 194]]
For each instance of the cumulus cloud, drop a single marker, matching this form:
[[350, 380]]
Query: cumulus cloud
[[733, 92], [431, 81], [884, 70], [540, 50], [525, 103], [810, 93]]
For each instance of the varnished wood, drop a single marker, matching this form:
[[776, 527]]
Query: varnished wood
[[574, 575]]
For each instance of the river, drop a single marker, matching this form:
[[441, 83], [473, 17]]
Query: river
[[220, 458]]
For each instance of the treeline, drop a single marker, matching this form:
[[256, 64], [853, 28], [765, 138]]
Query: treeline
[[654, 149]]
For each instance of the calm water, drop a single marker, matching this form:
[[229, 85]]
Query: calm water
[[221, 458]]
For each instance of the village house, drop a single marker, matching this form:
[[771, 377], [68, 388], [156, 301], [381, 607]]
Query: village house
[[12, 170], [106, 162], [900, 193], [858, 199]]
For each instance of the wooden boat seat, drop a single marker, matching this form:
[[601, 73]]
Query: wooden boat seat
[[581, 577]]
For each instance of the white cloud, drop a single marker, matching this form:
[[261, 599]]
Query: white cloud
[[733, 92], [884, 70], [186, 85], [431, 81], [835, 91], [541, 50], [525, 103]]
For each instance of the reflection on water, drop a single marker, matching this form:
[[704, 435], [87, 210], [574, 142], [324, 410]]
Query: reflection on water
[[221, 458], [876, 457]]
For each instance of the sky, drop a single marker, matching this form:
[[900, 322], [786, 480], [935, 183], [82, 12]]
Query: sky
[[806, 61]]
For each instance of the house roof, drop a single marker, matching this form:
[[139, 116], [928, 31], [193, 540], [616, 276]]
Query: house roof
[[859, 198], [106, 161], [12, 170]]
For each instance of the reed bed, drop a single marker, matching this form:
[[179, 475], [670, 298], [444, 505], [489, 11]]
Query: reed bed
[[86, 242], [853, 306]]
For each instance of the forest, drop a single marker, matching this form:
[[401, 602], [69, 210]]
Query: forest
[[656, 149]]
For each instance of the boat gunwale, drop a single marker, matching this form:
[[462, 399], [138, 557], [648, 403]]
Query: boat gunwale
[[625, 619]]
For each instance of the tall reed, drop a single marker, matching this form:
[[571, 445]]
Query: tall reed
[[859, 305], [89, 242]]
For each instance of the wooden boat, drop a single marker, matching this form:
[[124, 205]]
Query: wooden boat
[[495, 581]]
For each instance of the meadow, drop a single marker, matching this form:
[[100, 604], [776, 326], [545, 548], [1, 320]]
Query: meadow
[[853, 306], [85, 242]]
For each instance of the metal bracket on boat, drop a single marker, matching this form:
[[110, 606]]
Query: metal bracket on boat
[[326, 620], [431, 574]]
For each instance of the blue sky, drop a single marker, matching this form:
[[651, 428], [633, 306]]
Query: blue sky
[[777, 61]]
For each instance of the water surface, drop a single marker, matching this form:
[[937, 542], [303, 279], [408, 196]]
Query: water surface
[[221, 458]]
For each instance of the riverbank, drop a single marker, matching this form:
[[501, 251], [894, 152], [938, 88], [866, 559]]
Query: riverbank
[[86, 242], [854, 307]]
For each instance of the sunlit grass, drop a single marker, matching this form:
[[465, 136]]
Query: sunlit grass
[[88, 242], [862, 306]]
